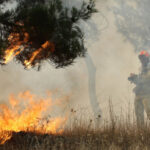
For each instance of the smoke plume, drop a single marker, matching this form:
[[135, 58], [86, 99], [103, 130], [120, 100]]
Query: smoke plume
[[112, 53]]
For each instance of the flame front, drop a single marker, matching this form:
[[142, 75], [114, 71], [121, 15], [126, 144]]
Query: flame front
[[25, 113]]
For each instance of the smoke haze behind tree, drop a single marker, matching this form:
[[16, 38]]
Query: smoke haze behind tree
[[114, 57]]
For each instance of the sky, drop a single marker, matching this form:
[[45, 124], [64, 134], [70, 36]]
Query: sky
[[114, 57]]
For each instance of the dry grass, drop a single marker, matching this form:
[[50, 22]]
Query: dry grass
[[81, 138], [119, 134]]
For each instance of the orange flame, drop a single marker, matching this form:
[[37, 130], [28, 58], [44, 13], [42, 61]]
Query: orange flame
[[24, 113], [17, 46], [44, 46]]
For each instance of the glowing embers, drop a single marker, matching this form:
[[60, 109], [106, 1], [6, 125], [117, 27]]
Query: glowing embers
[[25, 113]]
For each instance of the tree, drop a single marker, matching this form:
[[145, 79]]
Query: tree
[[39, 30], [92, 90], [132, 20]]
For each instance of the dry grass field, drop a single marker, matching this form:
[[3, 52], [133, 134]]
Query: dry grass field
[[82, 138], [118, 134]]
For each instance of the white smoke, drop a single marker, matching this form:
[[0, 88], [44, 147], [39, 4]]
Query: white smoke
[[113, 57]]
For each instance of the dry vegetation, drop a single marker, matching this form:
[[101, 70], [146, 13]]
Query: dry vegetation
[[118, 134]]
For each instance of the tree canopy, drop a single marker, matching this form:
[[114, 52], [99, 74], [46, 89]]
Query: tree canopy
[[39, 30]]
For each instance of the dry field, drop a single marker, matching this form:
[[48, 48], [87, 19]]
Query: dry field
[[80, 138], [117, 135]]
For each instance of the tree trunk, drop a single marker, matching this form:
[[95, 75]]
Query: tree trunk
[[92, 90]]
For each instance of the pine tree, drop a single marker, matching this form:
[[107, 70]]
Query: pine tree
[[39, 30]]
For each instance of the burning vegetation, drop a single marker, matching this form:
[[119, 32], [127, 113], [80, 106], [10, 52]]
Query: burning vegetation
[[20, 47], [25, 113], [41, 30], [31, 33], [120, 134]]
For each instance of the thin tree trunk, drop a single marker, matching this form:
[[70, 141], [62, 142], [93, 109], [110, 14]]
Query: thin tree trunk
[[92, 90]]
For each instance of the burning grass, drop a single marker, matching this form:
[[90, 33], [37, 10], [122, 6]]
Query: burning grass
[[118, 134], [25, 113], [83, 138]]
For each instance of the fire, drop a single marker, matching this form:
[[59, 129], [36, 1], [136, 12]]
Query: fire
[[16, 46], [25, 113], [44, 46], [19, 43], [34, 54]]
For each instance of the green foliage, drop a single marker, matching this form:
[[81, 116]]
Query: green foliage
[[47, 21]]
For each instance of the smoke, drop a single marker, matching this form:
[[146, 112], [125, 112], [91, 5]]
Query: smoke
[[113, 56], [132, 20]]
